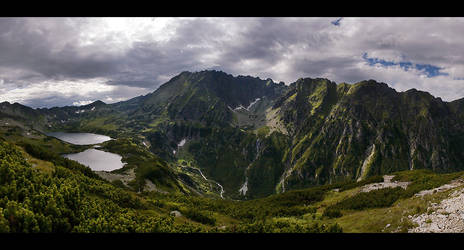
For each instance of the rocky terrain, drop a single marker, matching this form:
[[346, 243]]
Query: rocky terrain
[[444, 217], [453, 184], [387, 183], [125, 178]]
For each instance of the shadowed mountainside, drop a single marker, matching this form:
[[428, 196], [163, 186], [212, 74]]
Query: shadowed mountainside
[[256, 137]]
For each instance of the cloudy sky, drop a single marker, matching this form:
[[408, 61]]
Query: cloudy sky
[[47, 62]]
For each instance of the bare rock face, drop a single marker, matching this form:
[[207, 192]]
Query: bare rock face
[[364, 129]]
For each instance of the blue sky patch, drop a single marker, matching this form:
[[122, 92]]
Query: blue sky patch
[[428, 69], [337, 22]]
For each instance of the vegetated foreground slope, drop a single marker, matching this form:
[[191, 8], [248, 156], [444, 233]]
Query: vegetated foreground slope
[[255, 137], [58, 197], [66, 200], [52, 197]]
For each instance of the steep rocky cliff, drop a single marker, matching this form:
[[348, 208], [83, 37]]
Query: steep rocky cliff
[[354, 131]]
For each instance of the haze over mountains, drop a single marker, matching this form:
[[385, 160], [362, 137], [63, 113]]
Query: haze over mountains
[[257, 137]]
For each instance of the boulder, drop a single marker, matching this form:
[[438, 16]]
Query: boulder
[[175, 213]]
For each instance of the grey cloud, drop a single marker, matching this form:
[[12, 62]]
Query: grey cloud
[[51, 101], [34, 50], [120, 93], [50, 50]]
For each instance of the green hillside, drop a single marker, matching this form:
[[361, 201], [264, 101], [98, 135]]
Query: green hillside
[[211, 135]]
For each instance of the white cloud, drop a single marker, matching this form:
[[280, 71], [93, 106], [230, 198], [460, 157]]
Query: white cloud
[[49, 89], [81, 103]]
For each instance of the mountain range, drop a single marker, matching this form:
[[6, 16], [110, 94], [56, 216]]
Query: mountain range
[[256, 137]]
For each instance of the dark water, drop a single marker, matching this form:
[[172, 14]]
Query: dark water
[[80, 138], [97, 160]]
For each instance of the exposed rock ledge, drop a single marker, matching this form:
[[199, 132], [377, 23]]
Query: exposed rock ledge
[[128, 176], [125, 178], [446, 217], [387, 183], [453, 184]]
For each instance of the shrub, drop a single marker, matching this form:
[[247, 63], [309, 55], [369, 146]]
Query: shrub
[[332, 213], [57, 160], [118, 183], [369, 180], [377, 198], [199, 216]]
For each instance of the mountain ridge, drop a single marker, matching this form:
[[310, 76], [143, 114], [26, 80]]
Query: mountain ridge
[[269, 137]]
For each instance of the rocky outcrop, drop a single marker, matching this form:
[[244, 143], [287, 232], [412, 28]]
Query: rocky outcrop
[[444, 217], [387, 183], [175, 213]]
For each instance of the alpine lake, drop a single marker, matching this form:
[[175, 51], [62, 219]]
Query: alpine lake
[[97, 160]]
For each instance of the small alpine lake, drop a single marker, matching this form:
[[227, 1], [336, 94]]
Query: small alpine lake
[[95, 159], [80, 138]]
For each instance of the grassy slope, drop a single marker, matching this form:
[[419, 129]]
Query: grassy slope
[[377, 219], [294, 211]]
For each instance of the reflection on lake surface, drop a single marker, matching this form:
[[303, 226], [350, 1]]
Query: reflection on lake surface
[[97, 160], [80, 138]]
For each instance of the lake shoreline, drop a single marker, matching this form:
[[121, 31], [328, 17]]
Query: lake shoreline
[[93, 157]]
